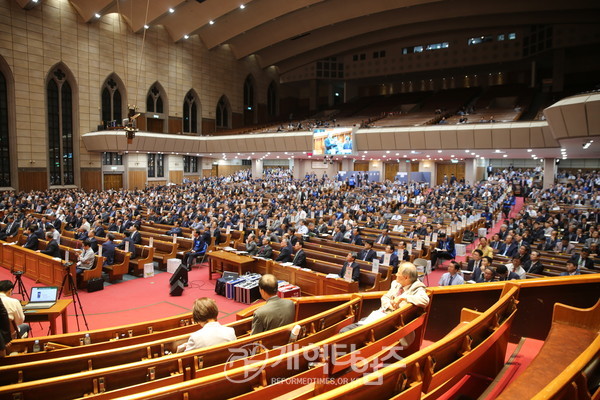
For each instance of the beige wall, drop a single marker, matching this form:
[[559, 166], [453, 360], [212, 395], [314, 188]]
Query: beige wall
[[33, 41]]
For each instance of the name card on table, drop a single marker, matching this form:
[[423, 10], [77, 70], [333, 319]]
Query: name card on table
[[228, 230], [434, 237], [126, 247], [375, 265], [241, 226], [151, 242], [66, 256], [255, 224], [174, 238], [419, 245]]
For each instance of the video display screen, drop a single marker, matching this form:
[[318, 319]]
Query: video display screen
[[333, 141]]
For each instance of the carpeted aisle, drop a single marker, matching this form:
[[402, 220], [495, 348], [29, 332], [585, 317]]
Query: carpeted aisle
[[138, 300]]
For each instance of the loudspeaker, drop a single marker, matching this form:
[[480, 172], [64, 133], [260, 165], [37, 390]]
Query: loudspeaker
[[181, 274], [176, 289]]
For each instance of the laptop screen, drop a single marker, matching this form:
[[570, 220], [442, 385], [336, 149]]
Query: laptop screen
[[43, 294]]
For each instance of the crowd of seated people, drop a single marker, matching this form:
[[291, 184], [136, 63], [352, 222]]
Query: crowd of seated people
[[280, 206]]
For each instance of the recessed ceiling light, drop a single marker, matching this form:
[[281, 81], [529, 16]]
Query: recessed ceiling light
[[211, 22], [529, 150], [387, 151], [97, 15], [171, 10], [186, 37], [467, 151], [146, 26], [439, 151], [505, 155], [242, 6]]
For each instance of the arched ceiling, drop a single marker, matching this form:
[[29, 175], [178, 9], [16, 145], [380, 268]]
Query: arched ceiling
[[292, 33]]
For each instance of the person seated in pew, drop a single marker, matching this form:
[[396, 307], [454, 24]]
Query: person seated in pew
[[32, 239], [350, 271], [175, 230], [390, 258], [406, 288], [583, 260], [285, 252], [265, 251], [384, 238], [93, 241], [533, 265], [211, 332], [478, 268], [251, 246], [136, 236], [13, 308], [130, 247], [299, 259], [452, 277], [367, 254], [444, 249], [85, 260], [276, 312], [497, 244], [402, 252], [515, 266], [488, 275], [10, 229], [564, 246], [485, 248], [52, 249], [504, 274], [571, 269], [108, 249], [199, 247]]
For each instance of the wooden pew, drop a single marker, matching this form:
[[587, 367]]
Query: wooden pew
[[120, 266], [122, 375], [364, 341], [163, 251], [558, 371]]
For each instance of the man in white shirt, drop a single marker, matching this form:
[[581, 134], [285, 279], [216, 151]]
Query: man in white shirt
[[13, 307], [211, 332], [452, 277]]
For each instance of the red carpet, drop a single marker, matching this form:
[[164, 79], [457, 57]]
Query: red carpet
[[138, 300]]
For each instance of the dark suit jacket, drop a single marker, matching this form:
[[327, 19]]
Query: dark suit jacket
[[383, 239], [32, 242], [108, 251], [285, 255], [136, 237], [588, 263], [448, 246], [367, 255], [52, 249], [511, 251], [533, 268], [217, 235], [300, 259], [275, 313], [393, 261], [338, 237], [99, 231], [355, 270], [132, 248], [265, 251], [357, 240], [500, 246], [11, 229]]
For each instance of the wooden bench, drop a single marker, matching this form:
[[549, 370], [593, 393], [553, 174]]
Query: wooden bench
[[558, 370], [120, 266], [163, 251]]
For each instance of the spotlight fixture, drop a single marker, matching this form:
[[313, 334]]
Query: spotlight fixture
[[328, 159], [211, 22], [242, 6], [171, 10], [97, 15], [586, 145]]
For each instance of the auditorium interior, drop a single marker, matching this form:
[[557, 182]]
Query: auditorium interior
[[401, 126]]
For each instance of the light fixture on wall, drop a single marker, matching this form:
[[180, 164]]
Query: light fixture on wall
[[328, 160], [131, 125]]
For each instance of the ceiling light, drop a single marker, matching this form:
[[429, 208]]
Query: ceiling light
[[404, 156], [505, 155], [467, 151], [186, 37], [388, 152], [211, 22], [97, 15], [529, 150], [171, 10], [146, 27], [452, 156], [242, 6], [439, 151]]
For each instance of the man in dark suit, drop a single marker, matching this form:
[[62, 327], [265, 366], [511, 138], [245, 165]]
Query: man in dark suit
[[108, 250], [355, 237], [384, 238], [497, 245], [390, 258], [132, 249], [444, 250], [52, 248], [338, 235], [265, 250], [276, 312], [285, 253], [135, 235], [299, 259], [504, 274], [99, 229], [510, 247], [350, 270], [475, 261], [176, 230], [10, 229], [367, 254], [32, 240], [533, 265], [583, 259], [215, 232]]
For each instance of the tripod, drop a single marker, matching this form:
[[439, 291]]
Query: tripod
[[68, 279], [19, 287]]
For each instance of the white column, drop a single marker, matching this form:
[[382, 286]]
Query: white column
[[549, 172], [470, 170], [257, 169], [347, 164]]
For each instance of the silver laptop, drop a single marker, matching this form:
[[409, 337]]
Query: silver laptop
[[42, 297]]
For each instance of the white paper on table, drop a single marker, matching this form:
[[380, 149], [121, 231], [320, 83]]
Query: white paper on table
[[375, 266]]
